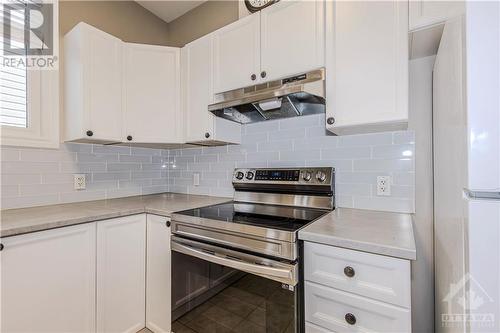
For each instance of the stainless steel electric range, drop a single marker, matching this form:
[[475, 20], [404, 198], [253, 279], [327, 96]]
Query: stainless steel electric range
[[256, 234]]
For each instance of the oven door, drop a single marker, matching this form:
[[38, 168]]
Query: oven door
[[261, 295]]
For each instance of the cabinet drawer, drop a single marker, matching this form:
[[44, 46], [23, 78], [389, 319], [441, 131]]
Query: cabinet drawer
[[379, 277], [328, 308], [311, 328]]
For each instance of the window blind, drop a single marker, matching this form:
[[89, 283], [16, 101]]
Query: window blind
[[13, 81]]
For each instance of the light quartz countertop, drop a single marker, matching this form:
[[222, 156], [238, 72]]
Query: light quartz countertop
[[376, 232], [24, 220], [383, 233]]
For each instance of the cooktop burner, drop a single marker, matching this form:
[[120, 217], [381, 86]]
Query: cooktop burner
[[269, 216]]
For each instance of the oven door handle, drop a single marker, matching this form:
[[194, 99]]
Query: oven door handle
[[274, 270]]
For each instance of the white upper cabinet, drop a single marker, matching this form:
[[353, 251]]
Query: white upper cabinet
[[48, 281], [151, 94], [92, 83], [424, 13], [292, 38], [197, 72], [366, 66], [236, 52]]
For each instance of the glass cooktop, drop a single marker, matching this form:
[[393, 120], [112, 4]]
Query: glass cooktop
[[269, 216]]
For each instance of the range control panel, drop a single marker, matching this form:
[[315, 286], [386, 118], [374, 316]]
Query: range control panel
[[296, 176]]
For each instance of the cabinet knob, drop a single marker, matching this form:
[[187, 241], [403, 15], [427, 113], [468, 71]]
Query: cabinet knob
[[1, 246], [253, 77], [263, 74], [349, 271], [129, 138], [350, 319], [90, 133], [330, 120], [207, 135], [168, 224]]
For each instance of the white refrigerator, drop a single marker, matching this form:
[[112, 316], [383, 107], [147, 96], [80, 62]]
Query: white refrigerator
[[466, 136]]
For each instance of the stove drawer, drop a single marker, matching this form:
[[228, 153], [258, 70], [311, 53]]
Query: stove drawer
[[339, 311], [262, 245], [379, 277]]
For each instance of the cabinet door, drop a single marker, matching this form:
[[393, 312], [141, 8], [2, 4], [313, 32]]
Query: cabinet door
[[237, 54], [121, 265], [287, 51], [197, 84], [158, 299], [152, 94], [48, 281], [93, 85], [424, 13], [367, 66]]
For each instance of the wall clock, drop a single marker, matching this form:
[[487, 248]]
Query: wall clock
[[256, 5]]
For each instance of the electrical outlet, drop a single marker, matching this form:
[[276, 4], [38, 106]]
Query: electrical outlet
[[79, 181], [384, 185], [196, 179]]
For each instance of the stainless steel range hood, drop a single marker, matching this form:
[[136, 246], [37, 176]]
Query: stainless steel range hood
[[298, 95]]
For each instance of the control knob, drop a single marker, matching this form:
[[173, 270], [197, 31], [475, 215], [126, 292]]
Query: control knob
[[249, 175], [306, 176], [321, 176], [239, 175]]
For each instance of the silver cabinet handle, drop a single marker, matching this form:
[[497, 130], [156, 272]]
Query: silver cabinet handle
[[284, 275]]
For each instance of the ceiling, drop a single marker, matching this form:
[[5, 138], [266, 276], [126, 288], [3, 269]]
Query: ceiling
[[169, 10]]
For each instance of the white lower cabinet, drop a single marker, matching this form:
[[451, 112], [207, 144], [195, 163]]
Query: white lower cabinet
[[48, 281], [158, 275], [93, 277], [121, 274], [353, 291]]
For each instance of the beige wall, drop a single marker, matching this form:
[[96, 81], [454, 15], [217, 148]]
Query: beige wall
[[124, 19], [203, 19]]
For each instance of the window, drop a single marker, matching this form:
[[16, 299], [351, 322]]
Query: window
[[13, 81], [29, 112]]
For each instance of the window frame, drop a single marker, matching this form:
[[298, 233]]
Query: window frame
[[42, 93]]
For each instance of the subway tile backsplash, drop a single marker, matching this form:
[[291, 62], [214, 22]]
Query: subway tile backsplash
[[32, 177], [303, 141]]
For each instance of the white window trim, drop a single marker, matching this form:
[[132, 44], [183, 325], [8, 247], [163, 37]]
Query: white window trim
[[43, 109]]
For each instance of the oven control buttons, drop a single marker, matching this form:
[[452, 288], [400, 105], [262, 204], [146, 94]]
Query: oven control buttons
[[321, 176], [239, 175], [249, 175], [306, 176]]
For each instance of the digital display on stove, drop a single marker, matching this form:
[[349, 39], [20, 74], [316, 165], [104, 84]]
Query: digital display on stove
[[278, 175]]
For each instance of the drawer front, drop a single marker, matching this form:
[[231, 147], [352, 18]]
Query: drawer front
[[327, 307], [311, 328], [379, 277]]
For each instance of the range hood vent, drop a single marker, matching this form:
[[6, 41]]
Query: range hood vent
[[294, 96]]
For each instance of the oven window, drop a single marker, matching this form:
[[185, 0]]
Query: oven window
[[220, 299]]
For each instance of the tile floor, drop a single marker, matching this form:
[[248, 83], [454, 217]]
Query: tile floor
[[252, 304]]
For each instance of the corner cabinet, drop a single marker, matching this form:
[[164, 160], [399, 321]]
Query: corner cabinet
[[92, 86], [201, 127], [158, 275], [121, 266], [151, 94], [366, 66], [48, 281]]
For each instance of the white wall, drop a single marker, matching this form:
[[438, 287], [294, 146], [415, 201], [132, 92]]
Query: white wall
[[420, 105]]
